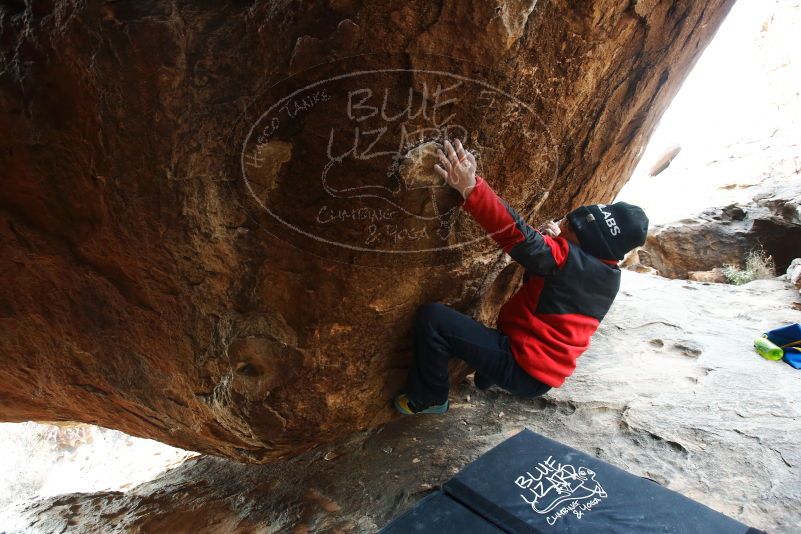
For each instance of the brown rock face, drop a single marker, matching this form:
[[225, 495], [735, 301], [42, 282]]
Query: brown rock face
[[207, 238], [715, 276]]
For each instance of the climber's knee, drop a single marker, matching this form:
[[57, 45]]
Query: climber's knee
[[430, 314]]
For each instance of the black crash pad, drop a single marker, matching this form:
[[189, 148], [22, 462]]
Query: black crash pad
[[531, 484], [441, 514]]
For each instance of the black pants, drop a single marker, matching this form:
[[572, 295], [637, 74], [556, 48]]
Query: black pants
[[441, 332]]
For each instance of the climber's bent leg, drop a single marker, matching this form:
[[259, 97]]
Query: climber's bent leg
[[441, 332]]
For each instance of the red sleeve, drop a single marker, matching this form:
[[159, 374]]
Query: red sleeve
[[537, 252]]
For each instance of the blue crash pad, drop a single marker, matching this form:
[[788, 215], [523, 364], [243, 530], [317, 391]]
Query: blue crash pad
[[530, 483]]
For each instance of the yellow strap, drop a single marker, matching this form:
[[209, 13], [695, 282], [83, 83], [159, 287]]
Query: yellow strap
[[792, 344]]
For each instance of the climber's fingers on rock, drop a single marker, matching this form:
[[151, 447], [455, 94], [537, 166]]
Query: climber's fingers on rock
[[448, 148], [471, 157], [445, 162], [451, 153], [466, 158], [460, 151], [442, 172]]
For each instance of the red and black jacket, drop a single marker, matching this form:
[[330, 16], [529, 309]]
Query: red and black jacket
[[565, 291]]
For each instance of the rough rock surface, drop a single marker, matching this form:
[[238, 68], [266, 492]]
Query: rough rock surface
[[794, 273], [673, 392], [203, 247], [716, 276], [724, 236]]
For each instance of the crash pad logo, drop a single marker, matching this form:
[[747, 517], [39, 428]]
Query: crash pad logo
[[342, 155], [556, 490]]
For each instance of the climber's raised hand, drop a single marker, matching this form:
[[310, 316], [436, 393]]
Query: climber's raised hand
[[550, 228], [458, 168]]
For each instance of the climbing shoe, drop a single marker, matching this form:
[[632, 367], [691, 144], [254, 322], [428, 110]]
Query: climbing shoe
[[407, 407]]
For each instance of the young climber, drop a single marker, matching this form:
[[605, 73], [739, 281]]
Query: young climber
[[571, 278]]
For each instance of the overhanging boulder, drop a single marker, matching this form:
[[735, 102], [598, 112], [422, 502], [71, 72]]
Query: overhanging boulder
[[192, 252]]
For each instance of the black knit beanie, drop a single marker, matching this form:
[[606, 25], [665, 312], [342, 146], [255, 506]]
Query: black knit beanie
[[609, 231]]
